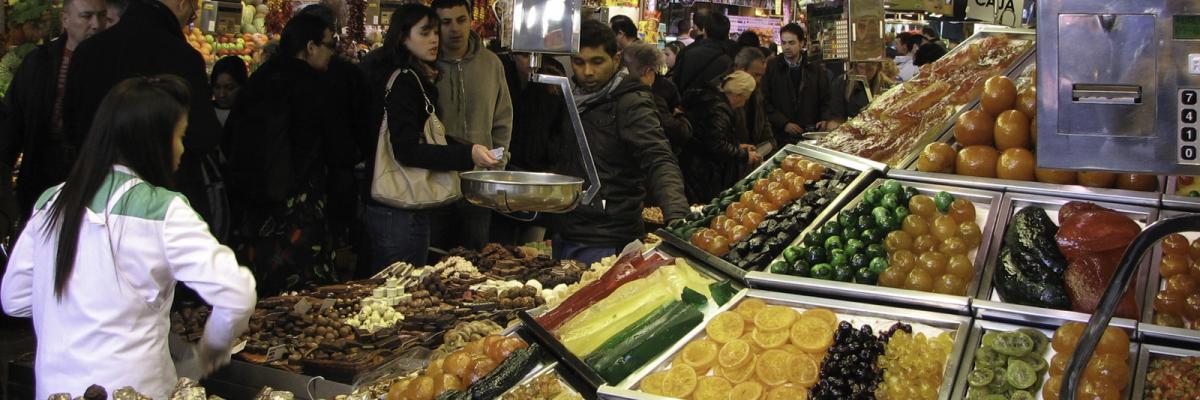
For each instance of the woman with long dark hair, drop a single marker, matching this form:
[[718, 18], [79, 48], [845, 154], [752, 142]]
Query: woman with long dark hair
[[97, 264], [410, 47]]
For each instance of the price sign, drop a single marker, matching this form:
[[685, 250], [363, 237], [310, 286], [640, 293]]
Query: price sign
[[302, 306], [327, 304], [277, 352], [999, 12]]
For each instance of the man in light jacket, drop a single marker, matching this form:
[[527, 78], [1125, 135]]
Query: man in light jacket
[[475, 106]]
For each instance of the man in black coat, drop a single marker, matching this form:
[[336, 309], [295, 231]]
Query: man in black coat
[[35, 101], [148, 41], [797, 91], [708, 58]]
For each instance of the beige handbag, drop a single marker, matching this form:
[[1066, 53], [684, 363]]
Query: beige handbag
[[408, 187]]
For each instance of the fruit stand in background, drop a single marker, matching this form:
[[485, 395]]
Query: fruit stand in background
[[28, 23]]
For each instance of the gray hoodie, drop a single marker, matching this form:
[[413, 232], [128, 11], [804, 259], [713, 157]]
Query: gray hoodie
[[473, 100]]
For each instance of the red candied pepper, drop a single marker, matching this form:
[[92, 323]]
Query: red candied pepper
[[1095, 232], [627, 269]]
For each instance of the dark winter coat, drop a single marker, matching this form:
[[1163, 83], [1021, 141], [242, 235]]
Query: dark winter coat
[[803, 103], [538, 115], [754, 128], [703, 61], [845, 108], [345, 86], [631, 152], [148, 41], [712, 158], [30, 102]]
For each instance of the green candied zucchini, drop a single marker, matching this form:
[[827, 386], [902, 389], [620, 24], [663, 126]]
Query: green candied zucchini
[[510, 372], [721, 292], [624, 353]]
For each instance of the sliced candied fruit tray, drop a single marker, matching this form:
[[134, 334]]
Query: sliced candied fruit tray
[[1166, 372]]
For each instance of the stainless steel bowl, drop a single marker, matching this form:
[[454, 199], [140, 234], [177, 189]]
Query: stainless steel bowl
[[813, 135], [512, 191]]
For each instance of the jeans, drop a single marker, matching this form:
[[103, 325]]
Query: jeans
[[565, 250], [397, 235], [460, 224]]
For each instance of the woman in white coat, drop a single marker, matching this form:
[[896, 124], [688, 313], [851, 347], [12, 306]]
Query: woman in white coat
[[97, 264]]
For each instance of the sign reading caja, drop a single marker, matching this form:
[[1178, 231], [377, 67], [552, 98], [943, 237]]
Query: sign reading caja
[[998, 12]]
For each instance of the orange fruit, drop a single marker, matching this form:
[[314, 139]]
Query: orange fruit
[[811, 335], [747, 391], [770, 339], [936, 157], [748, 308], [653, 383], [679, 382], [1097, 179], [725, 326], [788, 392], [773, 318], [738, 374], [734, 354], [1011, 130], [822, 314], [974, 127], [1057, 176], [1144, 183], [804, 370], [1016, 163], [977, 161], [712, 388], [773, 366], [700, 354], [999, 94], [1027, 101]]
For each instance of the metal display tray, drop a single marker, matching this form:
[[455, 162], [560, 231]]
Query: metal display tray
[[986, 206], [1148, 199], [981, 327], [958, 325], [867, 171], [1150, 352], [1174, 201], [1157, 333], [987, 303]]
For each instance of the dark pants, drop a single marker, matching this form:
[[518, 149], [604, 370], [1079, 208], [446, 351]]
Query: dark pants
[[460, 224], [566, 250], [397, 235]]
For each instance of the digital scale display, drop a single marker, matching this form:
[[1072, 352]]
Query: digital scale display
[[1186, 26]]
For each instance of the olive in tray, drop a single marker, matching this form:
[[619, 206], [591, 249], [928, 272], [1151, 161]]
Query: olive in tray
[[779, 229]]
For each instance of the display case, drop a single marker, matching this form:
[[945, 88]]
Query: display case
[[1152, 331]]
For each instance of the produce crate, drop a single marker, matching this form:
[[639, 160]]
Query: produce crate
[[981, 327], [867, 171], [879, 317], [987, 205], [987, 303], [1151, 332], [1146, 356]]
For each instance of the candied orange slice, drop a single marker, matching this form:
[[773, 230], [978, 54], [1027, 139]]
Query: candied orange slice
[[712, 388], [725, 326], [772, 368], [811, 335], [653, 383], [823, 314], [679, 382], [747, 391], [773, 318], [769, 339], [700, 354], [804, 370], [788, 392], [738, 374], [749, 307], [734, 354]]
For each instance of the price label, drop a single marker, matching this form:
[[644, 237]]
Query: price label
[[302, 306], [327, 304], [276, 352]]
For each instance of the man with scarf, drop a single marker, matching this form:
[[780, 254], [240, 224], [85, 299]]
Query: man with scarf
[[629, 148]]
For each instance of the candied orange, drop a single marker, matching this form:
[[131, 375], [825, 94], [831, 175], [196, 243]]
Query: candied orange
[[811, 335], [823, 314], [712, 388], [1011, 130], [734, 354], [747, 391], [769, 339], [773, 366], [653, 383], [1097, 179], [1114, 341], [700, 354], [738, 374], [1175, 244], [725, 326], [788, 392], [804, 370], [680, 381], [974, 127], [748, 308], [999, 94], [1056, 176], [773, 318], [977, 160]]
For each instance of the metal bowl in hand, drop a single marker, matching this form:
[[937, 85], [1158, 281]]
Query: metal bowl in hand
[[512, 191]]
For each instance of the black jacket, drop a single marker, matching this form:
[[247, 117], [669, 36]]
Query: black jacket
[[845, 108], [147, 41], [30, 102], [538, 115], [348, 100], [712, 157], [631, 153], [754, 128], [803, 103], [703, 61]]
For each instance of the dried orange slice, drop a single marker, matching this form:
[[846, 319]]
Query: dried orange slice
[[700, 354], [790, 348], [725, 326], [738, 374], [804, 370], [772, 368], [712, 388], [679, 382], [823, 314], [653, 383], [769, 339], [734, 354], [788, 392], [811, 335], [748, 308], [747, 391], [773, 318]]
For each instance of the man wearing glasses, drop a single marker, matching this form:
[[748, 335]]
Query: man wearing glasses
[[148, 41]]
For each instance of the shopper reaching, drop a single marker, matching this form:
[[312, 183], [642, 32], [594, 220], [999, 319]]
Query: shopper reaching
[[97, 264], [712, 158]]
